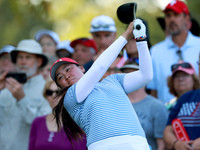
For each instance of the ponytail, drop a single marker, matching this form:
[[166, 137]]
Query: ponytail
[[63, 118]]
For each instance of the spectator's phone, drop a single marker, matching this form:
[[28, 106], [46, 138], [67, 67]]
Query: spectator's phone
[[20, 77]]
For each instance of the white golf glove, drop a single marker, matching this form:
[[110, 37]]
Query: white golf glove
[[139, 30]]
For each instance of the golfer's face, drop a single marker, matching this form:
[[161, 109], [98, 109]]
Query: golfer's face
[[68, 74]]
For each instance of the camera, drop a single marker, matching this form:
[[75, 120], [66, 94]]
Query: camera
[[20, 77]]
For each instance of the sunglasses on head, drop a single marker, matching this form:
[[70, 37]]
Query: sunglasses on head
[[184, 65], [102, 25], [50, 92]]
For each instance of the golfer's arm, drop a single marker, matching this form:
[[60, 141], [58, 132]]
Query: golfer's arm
[[86, 84], [140, 78]]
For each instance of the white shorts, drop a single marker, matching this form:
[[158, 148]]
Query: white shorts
[[125, 142]]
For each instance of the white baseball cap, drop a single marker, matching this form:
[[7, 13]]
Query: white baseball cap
[[102, 23], [65, 45], [131, 66], [50, 33], [29, 46], [7, 49]]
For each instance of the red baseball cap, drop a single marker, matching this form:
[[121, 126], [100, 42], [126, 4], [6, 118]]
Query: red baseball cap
[[178, 7], [58, 63], [85, 41]]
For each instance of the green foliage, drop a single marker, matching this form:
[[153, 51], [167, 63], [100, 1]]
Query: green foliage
[[20, 19]]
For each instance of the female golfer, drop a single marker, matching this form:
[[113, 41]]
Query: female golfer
[[102, 108]]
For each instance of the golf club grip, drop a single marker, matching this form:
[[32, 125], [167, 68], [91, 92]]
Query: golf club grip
[[138, 27]]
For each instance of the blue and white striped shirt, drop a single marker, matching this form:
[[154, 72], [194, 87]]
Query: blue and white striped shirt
[[102, 109], [107, 111]]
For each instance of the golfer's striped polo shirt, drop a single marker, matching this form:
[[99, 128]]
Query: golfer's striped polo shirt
[[107, 111]]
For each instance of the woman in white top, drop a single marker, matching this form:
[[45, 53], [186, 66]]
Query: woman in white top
[[102, 109]]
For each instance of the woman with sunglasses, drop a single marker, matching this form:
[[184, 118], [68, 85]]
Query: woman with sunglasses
[[182, 80], [102, 109], [44, 133]]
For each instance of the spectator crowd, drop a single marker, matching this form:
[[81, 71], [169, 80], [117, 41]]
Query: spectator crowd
[[28, 95]]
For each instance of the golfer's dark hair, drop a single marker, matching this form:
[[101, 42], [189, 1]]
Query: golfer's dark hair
[[63, 118]]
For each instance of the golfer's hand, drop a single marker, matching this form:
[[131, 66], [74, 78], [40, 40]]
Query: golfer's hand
[[139, 30], [128, 34]]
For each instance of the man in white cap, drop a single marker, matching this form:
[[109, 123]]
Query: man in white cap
[[21, 103], [5, 61], [48, 40], [103, 31]]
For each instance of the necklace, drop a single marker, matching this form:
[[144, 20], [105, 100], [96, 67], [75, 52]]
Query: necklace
[[50, 138]]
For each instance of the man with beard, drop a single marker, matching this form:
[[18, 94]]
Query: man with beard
[[21, 103], [179, 44]]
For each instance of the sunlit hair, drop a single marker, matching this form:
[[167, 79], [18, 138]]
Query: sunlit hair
[[170, 82], [72, 130]]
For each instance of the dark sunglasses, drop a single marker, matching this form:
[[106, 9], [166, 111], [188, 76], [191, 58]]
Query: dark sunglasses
[[50, 92], [184, 65]]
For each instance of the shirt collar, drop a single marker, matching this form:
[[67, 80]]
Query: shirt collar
[[188, 42]]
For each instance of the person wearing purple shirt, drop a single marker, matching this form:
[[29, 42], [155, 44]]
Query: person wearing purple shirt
[[44, 134]]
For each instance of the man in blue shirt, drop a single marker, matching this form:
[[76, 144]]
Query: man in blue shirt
[[179, 44]]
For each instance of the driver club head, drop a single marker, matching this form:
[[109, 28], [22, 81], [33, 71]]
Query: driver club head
[[126, 12]]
